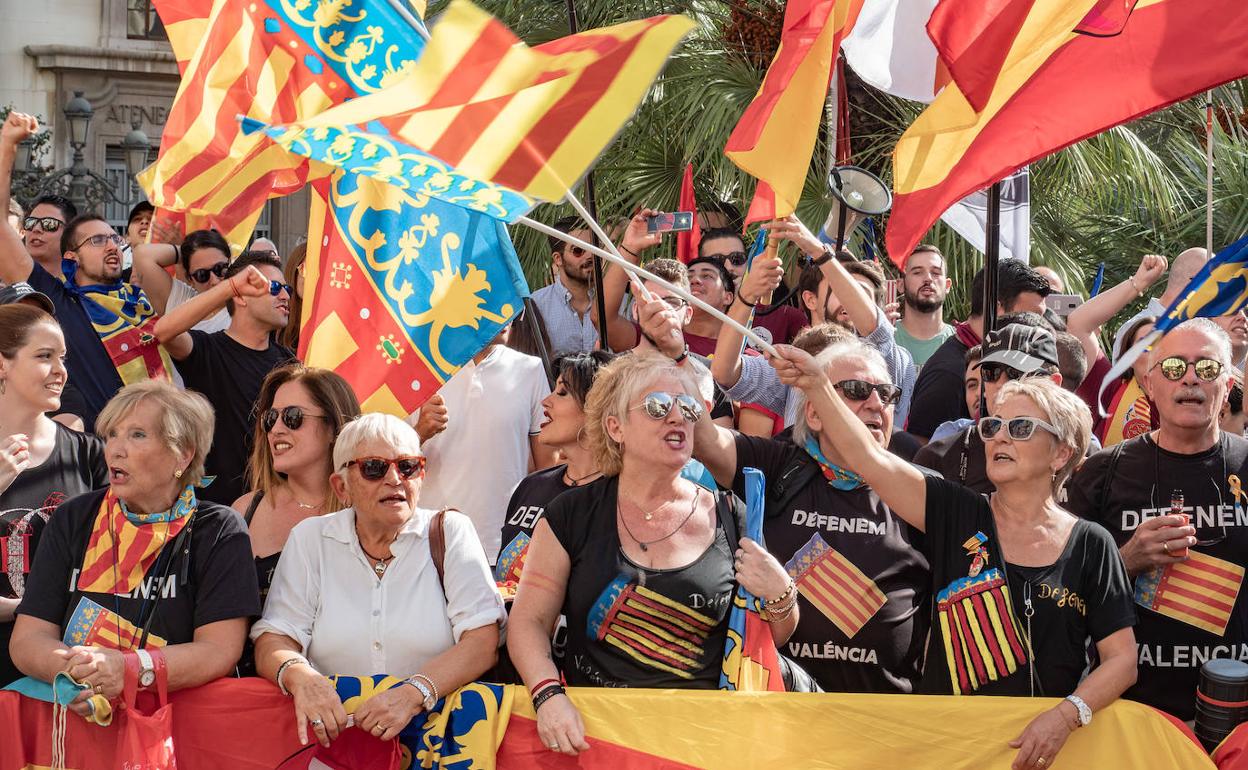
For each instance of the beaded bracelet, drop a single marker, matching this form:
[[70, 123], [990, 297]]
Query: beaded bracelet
[[428, 681], [788, 591], [282, 670], [547, 694]]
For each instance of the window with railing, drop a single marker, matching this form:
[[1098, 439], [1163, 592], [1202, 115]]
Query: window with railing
[[142, 21]]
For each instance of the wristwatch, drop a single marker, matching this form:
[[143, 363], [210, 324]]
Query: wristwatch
[[147, 670], [427, 700], [1085, 711]]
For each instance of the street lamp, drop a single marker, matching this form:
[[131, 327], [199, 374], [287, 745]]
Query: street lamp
[[135, 145], [78, 114], [25, 153]]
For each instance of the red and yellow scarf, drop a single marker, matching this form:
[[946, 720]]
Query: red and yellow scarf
[[124, 545]]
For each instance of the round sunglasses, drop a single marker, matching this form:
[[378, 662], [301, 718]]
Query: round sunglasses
[[376, 468], [292, 417], [1174, 367], [201, 275], [860, 390], [658, 405], [1018, 428]]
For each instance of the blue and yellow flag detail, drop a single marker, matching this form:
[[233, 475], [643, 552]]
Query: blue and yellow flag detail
[[407, 289]]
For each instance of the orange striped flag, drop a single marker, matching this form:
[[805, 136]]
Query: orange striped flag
[[119, 553], [1200, 591], [92, 625], [775, 138], [185, 22], [835, 586]]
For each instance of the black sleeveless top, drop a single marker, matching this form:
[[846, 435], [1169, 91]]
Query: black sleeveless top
[[265, 567]]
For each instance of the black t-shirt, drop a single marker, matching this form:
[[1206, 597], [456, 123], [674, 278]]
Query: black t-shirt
[[220, 585], [526, 506], [631, 626], [938, 392], [958, 457], [229, 375], [76, 465], [863, 582], [89, 368], [979, 629], [1178, 629]]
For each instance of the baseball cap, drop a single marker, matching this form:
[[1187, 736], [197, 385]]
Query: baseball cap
[[140, 208], [1025, 348], [24, 292]]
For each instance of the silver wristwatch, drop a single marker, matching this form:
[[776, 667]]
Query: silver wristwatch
[[428, 701], [147, 669], [1085, 711]]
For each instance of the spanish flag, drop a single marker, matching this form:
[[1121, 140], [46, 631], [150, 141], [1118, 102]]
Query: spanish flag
[[775, 138], [1033, 76]]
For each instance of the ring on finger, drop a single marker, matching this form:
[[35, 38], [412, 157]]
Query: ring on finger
[[317, 722], [99, 689], [1165, 546], [1040, 761]]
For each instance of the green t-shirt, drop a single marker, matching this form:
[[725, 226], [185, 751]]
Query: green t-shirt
[[921, 350]]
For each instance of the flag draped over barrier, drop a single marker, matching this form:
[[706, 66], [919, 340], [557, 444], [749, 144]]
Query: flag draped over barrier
[[775, 138], [1030, 78]]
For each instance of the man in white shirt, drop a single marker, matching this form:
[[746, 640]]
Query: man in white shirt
[[493, 410]]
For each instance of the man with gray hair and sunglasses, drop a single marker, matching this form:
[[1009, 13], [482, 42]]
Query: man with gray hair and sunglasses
[[1174, 502]]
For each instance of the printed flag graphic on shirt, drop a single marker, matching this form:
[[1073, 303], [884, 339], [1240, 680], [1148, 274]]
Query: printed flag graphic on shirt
[[1200, 591], [510, 565], [751, 663], [516, 124], [273, 61], [835, 587], [94, 625], [649, 627], [407, 290], [979, 631], [1105, 62], [775, 138]]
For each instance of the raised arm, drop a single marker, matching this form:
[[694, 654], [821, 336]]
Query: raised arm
[[15, 261], [1085, 321], [857, 302], [763, 277], [172, 329], [151, 261], [898, 483]]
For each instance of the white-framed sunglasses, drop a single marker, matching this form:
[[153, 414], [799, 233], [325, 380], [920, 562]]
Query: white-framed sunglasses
[[1018, 428]]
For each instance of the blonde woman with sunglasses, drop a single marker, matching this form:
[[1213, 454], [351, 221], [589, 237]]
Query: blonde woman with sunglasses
[[1020, 584], [356, 594]]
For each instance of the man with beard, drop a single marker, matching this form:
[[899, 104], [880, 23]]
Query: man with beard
[[1174, 503], [565, 303], [922, 328]]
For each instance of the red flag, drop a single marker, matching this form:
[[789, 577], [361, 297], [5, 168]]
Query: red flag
[[687, 243], [1065, 76]]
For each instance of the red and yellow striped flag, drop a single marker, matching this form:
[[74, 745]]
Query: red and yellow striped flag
[[835, 586], [775, 138], [186, 23], [92, 625], [1200, 591]]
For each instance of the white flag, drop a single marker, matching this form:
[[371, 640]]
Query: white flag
[[889, 48], [969, 216]]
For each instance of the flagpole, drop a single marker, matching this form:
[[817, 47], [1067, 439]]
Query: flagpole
[[1209, 172], [992, 256]]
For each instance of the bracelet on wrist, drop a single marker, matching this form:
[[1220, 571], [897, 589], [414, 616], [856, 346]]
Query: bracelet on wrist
[[823, 258], [538, 687], [788, 591], [631, 253], [547, 694], [281, 671], [680, 359], [426, 695], [1138, 291], [741, 299], [435, 695]]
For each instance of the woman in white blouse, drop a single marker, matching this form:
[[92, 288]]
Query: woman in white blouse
[[357, 592]]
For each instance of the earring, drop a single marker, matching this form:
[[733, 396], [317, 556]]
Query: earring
[[177, 474], [3, 385]]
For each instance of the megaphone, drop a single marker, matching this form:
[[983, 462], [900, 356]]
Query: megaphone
[[859, 194]]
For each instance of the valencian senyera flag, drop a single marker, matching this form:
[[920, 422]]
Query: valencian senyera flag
[[273, 61], [403, 289], [1220, 288], [751, 662], [482, 120], [775, 138], [1030, 78]]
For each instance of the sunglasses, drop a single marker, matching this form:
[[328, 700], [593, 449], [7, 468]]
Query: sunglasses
[[993, 372], [1020, 428], [276, 287], [575, 251], [737, 258], [1174, 367], [376, 468], [47, 224], [292, 417], [860, 390], [101, 240], [658, 405], [201, 275]]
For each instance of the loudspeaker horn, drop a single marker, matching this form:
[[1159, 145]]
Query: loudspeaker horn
[[859, 194]]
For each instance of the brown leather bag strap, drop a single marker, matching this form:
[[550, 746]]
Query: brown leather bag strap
[[437, 545]]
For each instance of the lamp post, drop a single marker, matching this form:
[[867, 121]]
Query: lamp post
[[78, 114], [135, 145]]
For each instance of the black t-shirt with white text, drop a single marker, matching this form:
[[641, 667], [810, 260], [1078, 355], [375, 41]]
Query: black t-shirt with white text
[[979, 642], [632, 626], [863, 581], [526, 506], [1192, 611], [229, 374], [220, 579]]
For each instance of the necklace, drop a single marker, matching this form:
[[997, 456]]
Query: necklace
[[307, 506], [645, 545], [576, 482], [648, 514], [379, 565]]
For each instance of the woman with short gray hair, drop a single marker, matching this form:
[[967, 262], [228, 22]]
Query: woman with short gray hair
[[355, 592]]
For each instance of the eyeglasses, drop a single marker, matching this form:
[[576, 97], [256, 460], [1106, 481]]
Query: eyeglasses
[[201, 275], [376, 468], [46, 224], [276, 287], [1174, 367], [1019, 428], [674, 301], [737, 258], [658, 405], [101, 240], [292, 417], [860, 390], [993, 372]]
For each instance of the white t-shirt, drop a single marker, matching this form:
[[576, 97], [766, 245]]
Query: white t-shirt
[[475, 464], [180, 293], [326, 596]]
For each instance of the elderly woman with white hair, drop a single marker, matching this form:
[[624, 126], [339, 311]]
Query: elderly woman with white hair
[[862, 584], [380, 587], [640, 561], [1021, 584]]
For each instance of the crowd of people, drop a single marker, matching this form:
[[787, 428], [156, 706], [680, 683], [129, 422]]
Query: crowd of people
[[946, 510]]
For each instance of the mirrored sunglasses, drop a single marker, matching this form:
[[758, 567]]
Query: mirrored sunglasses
[[47, 224], [860, 390], [1174, 367], [276, 287], [376, 468], [658, 405], [1019, 428], [291, 416], [201, 275]]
